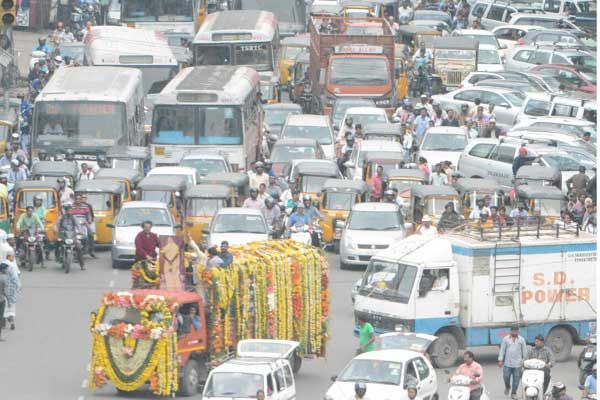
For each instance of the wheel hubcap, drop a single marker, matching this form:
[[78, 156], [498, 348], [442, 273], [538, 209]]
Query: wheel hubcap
[[193, 378]]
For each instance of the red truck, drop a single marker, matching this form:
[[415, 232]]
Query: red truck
[[351, 57]]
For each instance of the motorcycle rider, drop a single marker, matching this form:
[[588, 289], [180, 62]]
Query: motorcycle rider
[[69, 225], [42, 46], [559, 392], [83, 212], [252, 201], [589, 386], [65, 193], [473, 370], [298, 217], [310, 210], [272, 214], [258, 176], [27, 221], [540, 352], [70, 155]]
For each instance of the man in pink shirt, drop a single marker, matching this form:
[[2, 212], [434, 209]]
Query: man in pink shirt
[[377, 184], [474, 371]]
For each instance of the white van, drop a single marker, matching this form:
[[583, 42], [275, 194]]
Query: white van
[[546, 105], [242, 378]]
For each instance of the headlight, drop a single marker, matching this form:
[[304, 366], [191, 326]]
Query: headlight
[[340, 223], [352, 246], [531, 391], [328, 397], [31, 239], [382, 102], [68, 241]]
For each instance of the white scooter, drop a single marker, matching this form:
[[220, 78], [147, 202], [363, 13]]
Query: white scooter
[[459, 388], [532, 381], [301, 233]]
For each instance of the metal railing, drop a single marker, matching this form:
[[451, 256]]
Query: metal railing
[[532, 227]]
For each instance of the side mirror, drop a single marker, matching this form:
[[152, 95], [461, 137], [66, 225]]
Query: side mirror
[[110, 226], [273, 137], [349, 164], [503, 47], [205, 231], [177, 226], [336, 128], [134, 194], [333, 378]]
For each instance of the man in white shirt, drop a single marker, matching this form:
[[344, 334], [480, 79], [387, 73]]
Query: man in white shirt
[[405, 13], [53, 128], [426, 229], [478, 210], [258, 176]]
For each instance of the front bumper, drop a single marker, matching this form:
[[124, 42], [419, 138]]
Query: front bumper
[[383, 324], [123, 253], [360, 256]]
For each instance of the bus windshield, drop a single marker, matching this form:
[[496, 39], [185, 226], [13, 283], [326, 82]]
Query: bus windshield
[[200, 125], [101, 123], [257, 55], [157, 10]]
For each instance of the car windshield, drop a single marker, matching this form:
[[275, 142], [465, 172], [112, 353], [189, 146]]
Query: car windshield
[[353, 71], [157, 10], [372, 371], [277, 117], [291, 52], [577, 130], [205, 166], [488, 57], [203, 207], [233, 385], [484, 39], [403, 341], [134, 216], [116, 315], [374, 221], [340, 107], [367, 119], [435, 206], [339, 201], [515, 98], [239, 223], [583, 61], [444, 142], [562, 162], [421, 16], [285, 154], [537, 108], [313, 184], [321, 134], [387, 154], [388, 280]]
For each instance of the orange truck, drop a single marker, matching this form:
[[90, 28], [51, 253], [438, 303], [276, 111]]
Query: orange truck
[[351, 57]]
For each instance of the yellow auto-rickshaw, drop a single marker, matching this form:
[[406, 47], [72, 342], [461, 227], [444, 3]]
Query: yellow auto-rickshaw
[[297, 80], [127, 178], [337, 198], [131, 157], [201, 204], [429, 200], [270, 92], [53, 170], [4, 217], [9, 122], [105, 198], [168, 191], [237, 182], [310, 177], [471, 189], [411, 176], [47, 191], [289, 49], [542, 201], [383, 131]]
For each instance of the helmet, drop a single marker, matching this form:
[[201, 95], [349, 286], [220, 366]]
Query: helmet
[[407, 103], [349, 121], [268, 162], [360, 388], [259, 164], [42, 39], [268, 201], [37, 198], [67, 207], [558, 387], [43, 151], [300, 205], [253, 190], [435, 103], [307, 198], [418, 107], [70, 152], [58, 59], [389, 192]]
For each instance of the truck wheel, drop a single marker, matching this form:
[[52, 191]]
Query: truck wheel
[[444, 350], [560, 342], [191, 378], [296, 364]]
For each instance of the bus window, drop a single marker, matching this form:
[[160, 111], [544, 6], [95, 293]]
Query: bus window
[[253, 54], [174, 125], [213, 55]]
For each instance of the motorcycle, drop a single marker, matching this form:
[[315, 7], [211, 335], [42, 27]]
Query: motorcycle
[[32, 251], [301, 233], [36, 56], [305, 99], [70, 245], [532, 381], [459, 388], [420, 82], [587, 359]]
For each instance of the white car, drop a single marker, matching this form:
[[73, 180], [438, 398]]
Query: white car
[[481, 35], [270, 348], [206, 163], [489, 59], [574, 126], [364, 148], [128, 224], [311, 126], [477, 76], [237, 225], [546, 105], [370, 227], [386, 374], [242, 378], [187, 172], [363, 116], [508, 35], [443, 143], [545, 20]]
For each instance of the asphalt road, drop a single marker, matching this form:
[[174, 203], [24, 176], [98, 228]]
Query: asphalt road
[[47, 355]]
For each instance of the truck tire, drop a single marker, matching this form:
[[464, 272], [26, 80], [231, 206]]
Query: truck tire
[[297, 363], [560, 342], [191, 378], [444, 351]]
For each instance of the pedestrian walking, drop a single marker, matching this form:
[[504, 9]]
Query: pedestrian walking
[[13, 287], [3, 284], [513, 352], [366, 336]]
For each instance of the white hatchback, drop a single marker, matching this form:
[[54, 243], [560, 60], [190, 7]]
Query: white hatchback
[[237, 225], [309, 126], [387, 374]]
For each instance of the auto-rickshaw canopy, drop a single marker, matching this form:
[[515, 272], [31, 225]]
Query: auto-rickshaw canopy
[[423, 191], [412, 35], [56, 169], [296, 41], [119, 173], [539, 173], [467, 185], [406, 174], [208, 191], [231, 179], [539, 192], [321, 169], [36, 185], [98, 186], [381, 131], [456, 43], [345, 185], [159, 183]]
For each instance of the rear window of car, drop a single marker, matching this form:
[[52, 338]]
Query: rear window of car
[[496, 13], [481, 150], [537, 108]]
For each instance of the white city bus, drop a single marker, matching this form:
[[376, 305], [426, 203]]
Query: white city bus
[[208, 108], [89, 110], [145, 50], [248, 37]]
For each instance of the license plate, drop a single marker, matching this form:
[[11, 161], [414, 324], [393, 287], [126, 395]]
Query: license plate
[[588, 354]]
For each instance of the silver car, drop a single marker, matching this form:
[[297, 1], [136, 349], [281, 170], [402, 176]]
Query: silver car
[[129, 223], [525, 58], [508, 102]]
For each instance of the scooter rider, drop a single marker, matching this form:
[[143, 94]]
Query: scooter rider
[[27, 221], [473, 370], [42, 46], [67, 223], [559, 392], [272, 214], [298, 217], [540, 352], [589, 386]]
